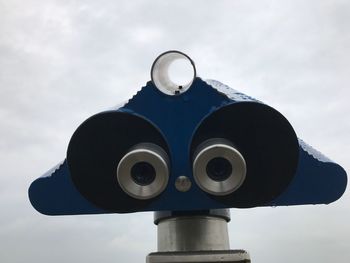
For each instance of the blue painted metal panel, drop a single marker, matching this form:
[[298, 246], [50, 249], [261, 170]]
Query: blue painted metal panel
[[317, 180], [55, 194]]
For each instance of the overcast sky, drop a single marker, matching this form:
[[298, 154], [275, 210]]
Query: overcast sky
[[62, 61]]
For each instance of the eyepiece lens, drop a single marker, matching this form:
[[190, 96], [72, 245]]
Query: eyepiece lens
[[219, 169], [143, 173]]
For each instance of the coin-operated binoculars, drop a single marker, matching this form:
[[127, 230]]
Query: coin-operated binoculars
[[188, 153]]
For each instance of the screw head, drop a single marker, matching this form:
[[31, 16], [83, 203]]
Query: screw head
[[183, 183]]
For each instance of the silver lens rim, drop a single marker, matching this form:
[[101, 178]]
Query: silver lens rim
[[213, 148], [155, 156]]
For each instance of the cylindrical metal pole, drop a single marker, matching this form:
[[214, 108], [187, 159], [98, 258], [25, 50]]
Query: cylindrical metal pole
[[194, 237], [192, 233]]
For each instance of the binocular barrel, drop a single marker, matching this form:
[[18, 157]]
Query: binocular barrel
[[118, 161]]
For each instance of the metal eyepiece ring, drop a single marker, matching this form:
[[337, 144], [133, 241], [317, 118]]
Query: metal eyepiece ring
[[218, 167], [143, 172], [160, 72]]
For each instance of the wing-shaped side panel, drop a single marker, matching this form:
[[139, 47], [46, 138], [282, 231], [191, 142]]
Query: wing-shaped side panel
[[318, 180], [55, 194]]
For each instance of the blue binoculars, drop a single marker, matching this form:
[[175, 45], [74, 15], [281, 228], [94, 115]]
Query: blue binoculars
[[197, 146]]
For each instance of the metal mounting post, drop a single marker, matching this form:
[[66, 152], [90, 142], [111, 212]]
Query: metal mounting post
[[194, 237]]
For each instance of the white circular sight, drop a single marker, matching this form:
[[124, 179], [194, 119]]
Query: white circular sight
[[173, 72]]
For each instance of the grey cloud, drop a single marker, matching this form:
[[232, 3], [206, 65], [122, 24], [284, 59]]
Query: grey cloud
[[62, 61]]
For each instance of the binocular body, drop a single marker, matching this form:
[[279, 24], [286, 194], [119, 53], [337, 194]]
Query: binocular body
[[210, 147]]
